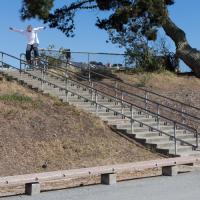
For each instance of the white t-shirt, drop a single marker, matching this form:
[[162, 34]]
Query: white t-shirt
[[31, 36]]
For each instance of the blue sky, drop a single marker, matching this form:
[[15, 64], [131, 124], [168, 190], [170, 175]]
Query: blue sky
[[88, 37]]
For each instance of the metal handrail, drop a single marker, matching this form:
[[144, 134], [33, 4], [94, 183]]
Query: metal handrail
[[128, 103], [110, 109], [132, 94], [148, 91], [83, 52], [142, 89], [119, 100], [156, 114], [96, 92], [145, 90]]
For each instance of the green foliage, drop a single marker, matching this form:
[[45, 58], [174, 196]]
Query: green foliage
[[131, 24], [156, 58], [143, 15], [16, 98], [148, 63], [36, 8], [55, 58], [127, 16]]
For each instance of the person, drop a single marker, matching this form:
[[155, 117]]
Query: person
[[33, 41]]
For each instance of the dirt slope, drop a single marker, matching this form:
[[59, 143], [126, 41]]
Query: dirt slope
[[182, 88], [39, 134]]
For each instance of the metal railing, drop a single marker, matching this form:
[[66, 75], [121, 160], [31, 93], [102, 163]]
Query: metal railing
[[89, 59], [158, 116], [123, 103], [182, 114], [120, 100]]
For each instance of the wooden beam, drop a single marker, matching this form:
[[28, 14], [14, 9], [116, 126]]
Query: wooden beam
[[84, 172]]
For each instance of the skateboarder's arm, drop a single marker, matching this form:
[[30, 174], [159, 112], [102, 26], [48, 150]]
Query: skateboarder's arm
[[39, 28], [17, 30]]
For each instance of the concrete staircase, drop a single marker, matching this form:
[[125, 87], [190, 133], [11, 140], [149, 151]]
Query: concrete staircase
[[145, 128]]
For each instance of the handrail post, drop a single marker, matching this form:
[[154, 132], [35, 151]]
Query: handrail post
[[182, 115], [65, 73], [92, 91], [116, 86], [66, 88], [2, 61], [89, 75], [122, 106], [175, 145], [96, 104], [146, 99], [132, 120], [42, 75], [47, 61], [66, 68], [20, 59], [20, 68], [197, 139], [158, 118], [66, 81]]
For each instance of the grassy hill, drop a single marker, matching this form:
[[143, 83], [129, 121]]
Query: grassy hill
[[183, 87], [39, 133]]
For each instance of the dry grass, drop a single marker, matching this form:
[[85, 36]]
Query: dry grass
[[42, 134], [165, 81], [181, 88]]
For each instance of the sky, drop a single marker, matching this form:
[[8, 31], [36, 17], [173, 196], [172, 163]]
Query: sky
[[88, 38]]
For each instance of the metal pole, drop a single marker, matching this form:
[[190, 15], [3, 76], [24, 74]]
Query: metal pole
[[182, 115], [66, 76], [66, 68], [2, 61], [197, 139], [47, 62], [66, 95], [122, 106], [66, 87], [146, 98], [20, 65], [116, 85], [92, 85], [42, 74], [66, 91], [89, 75], [175, 145], [158, 118], [66, 82], [132, 121], [96, 105]]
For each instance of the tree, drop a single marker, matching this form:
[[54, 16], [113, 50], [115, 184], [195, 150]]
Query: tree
[[38, 8], [131, 18]]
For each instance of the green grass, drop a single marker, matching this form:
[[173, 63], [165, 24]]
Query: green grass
[[16, 98]]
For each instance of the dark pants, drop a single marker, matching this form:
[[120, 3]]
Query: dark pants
[[29, 48]]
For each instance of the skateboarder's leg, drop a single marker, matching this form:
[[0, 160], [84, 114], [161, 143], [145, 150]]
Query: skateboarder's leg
[[36, 53], [28, 54]]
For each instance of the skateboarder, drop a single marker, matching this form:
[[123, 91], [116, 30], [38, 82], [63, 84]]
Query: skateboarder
[[33, 42]]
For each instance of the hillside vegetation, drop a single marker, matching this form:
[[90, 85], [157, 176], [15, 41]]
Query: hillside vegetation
[[182, 88], [39, 133]]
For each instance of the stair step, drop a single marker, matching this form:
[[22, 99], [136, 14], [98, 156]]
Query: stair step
[[114, 116]]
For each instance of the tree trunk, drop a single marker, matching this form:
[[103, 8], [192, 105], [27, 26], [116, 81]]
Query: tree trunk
[[190, 56]]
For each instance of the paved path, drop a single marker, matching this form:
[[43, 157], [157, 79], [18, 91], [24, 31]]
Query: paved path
[[181, 187]]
